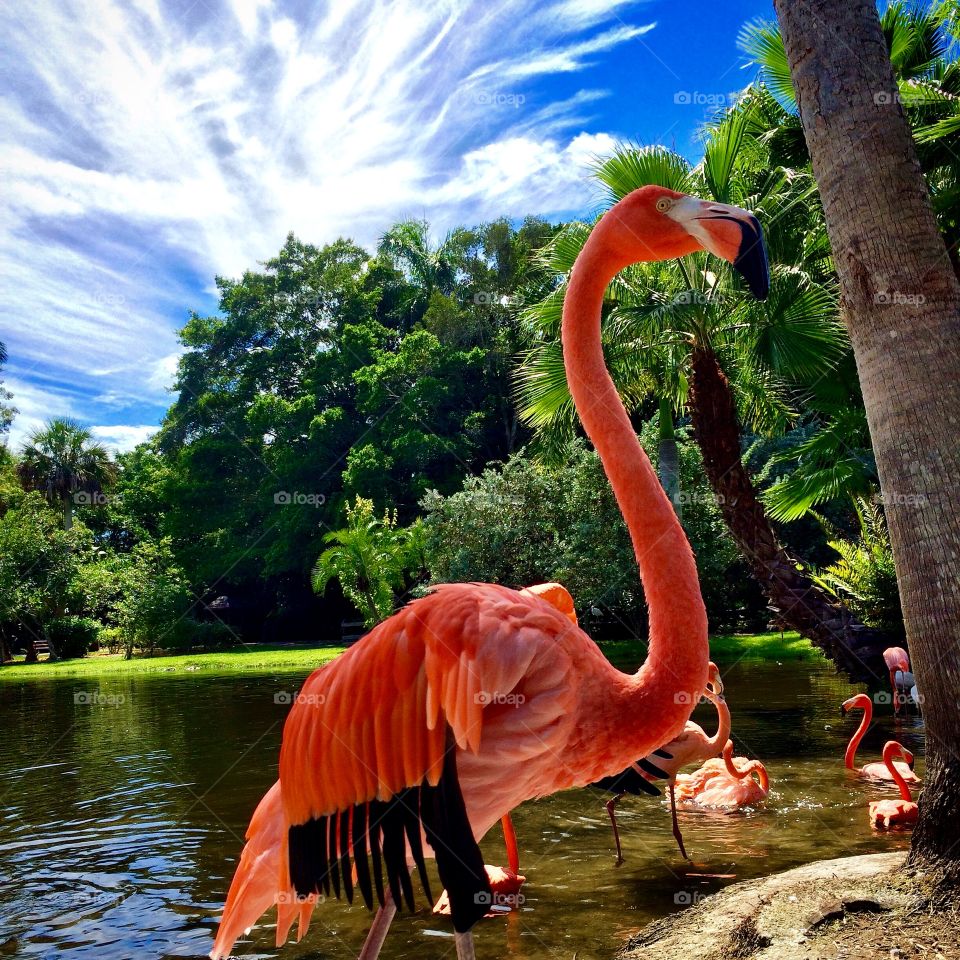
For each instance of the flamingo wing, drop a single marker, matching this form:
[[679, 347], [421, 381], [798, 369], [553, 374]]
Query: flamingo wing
[[369, 754]]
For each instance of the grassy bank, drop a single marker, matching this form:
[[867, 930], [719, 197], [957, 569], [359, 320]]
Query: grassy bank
[[730, 647], [254, 658]]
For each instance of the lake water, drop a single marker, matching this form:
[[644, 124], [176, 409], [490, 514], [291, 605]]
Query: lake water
[[123, 804]]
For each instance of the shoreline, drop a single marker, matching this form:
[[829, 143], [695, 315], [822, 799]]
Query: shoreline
[[864, 907], [259, 658]]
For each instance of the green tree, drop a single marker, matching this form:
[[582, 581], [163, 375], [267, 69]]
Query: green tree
[[529, 521], [888, 245], [62, 462], [7, 412], [921, 42], [428, 269], [154, 602], [372, 559], [39, 566]]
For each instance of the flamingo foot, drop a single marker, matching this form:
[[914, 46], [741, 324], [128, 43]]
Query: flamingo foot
[[505, 886]]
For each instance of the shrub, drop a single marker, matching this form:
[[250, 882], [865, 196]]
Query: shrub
[[73, 636]]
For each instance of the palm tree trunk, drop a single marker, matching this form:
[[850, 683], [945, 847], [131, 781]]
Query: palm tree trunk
[[796, 599], [668, 457], [901, 302], [67, 500]]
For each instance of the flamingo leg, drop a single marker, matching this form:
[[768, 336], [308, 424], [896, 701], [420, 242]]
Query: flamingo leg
[[465, 949], [510, 839], [378, 930], [676, 825], [611, 806]]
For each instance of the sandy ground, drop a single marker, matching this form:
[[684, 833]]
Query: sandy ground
[[856, 908]]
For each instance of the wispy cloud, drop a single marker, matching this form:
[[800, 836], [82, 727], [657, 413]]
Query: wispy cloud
[[150, 145]]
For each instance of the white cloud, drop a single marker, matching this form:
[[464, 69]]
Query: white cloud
[[150, 146], [122, 438]]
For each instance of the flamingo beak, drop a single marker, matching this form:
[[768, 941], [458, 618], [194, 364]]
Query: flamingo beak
[[728, 232]]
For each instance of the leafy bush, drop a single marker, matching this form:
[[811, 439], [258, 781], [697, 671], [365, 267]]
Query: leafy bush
[[864, 577], [73, 636], [527, 522]]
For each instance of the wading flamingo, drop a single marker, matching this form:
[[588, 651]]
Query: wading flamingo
[[875, 771], [692, 746], [897, 659], [725, 784], [885, 814], [475, 698]]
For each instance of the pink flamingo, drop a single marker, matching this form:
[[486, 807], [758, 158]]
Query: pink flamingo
[[875, 771], [725, 784], [885, 814], [470, 700], [896, 658], [692, 746]]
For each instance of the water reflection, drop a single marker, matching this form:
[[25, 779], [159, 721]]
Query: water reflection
[[123, 804]]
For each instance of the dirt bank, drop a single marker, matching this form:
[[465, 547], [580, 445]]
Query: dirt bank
[[855, 908]]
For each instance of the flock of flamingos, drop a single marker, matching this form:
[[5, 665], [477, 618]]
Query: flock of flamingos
[[473, 699]]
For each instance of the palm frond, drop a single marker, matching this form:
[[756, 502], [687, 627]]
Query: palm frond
[[632, 167]]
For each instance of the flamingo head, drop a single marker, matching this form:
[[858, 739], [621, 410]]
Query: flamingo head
[[714, 682], [655, 223], [892, 750], [861, 701]]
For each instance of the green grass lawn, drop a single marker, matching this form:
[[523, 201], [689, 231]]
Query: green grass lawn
[[727, 647], [254, 658]]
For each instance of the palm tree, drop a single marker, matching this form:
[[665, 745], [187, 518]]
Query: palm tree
[[902, 308], [371, 558], [732, 362], [63, 463], [428, 269], [922, 43], [7, 413]]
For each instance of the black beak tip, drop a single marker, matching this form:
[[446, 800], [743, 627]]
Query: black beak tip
[[751, 262]]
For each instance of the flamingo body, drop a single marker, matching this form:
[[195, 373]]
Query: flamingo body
[[889, 814], [467, 702], [897, 661], [725, 783], [874, 771]]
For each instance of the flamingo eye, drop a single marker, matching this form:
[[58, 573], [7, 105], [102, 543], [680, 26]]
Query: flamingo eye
[[664, 204]]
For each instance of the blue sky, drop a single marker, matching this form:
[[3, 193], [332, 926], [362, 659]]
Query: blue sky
[[148, 145]]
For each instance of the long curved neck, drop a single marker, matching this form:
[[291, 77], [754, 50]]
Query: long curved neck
[[854, 744], [888, 757], [678, 648], [753, 766], [719, 739]]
